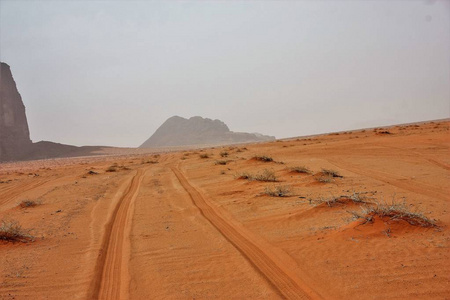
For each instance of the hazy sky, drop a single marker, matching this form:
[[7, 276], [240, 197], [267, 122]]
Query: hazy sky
[[111, 72]]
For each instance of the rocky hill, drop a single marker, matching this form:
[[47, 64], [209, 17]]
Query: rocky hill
[[15, 142], [14, 134], [178, 131]]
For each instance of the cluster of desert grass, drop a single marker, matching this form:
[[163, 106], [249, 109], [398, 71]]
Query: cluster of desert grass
[[395, 211], [12, 231], [278, 191], [265, 175], [370, 208]]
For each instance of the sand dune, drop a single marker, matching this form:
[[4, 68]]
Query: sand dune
[[184, 225]]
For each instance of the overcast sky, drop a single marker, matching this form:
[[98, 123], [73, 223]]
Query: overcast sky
[[111, 72]]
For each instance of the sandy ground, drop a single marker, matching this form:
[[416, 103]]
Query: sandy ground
[[178, 226]]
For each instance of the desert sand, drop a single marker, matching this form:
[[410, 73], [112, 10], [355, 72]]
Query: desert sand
[[188, 225]]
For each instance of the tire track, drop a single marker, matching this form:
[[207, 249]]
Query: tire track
[[111, 271], [15, 192], [274, 264]]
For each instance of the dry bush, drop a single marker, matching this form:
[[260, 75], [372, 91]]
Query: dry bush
[[263, 158], [150, 162], [29, 203], [12, 231], [278, 191], [324, 178], [224, 154], [204, 155], [384, 132], [332, 173], [112, 168], [394, 211], [343, 199], [265, 175], [301, 169], [221, 162], [245, 175]]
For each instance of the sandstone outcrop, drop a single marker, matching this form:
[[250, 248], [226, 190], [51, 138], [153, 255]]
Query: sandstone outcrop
[[178, 131], [14, 133]]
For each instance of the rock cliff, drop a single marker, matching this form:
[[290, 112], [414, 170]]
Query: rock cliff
[[14, 134], [178, 131]]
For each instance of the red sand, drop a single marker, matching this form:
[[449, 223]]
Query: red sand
[[186, 227]]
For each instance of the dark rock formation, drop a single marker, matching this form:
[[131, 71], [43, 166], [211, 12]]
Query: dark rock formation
[[15, 143], [14, 134], [178, 131]]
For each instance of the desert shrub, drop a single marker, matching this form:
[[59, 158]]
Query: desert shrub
[[324, 178], [245, 175], [278, 191], [221, 162], [204, 155], [263, 158], [394, 211], [300, 169], [224, 154], [151, 162], [333, 200], [112, 168], [266, 175], [332, 173], [12, 231], [357, 197], [29, 203]]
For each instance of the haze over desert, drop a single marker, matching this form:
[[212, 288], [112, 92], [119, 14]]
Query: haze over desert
[[224, 149]]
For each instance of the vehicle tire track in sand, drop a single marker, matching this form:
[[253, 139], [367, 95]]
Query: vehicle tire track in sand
[[273, 263], [111, 269], [15, 192]]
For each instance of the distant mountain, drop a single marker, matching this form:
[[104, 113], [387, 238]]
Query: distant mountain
[[178, 131]]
